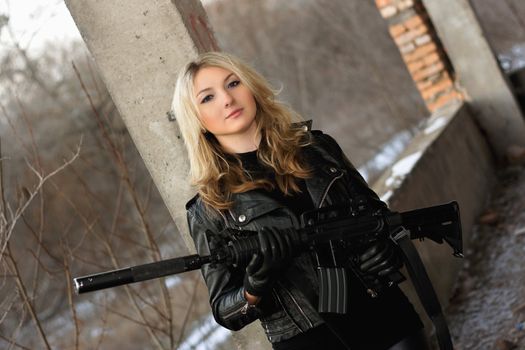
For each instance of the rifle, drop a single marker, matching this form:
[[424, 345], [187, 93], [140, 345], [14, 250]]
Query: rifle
[[438, 223], [353, 226]]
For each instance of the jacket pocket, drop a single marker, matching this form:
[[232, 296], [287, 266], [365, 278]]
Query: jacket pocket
[[279, 326], [258, 211]]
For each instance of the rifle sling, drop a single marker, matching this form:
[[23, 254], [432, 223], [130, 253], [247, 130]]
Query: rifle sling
[[424, 288]]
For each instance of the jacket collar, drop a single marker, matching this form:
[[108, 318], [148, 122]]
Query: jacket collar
[[325, 170]]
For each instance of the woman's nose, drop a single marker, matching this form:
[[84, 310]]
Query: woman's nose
[[227, 99]]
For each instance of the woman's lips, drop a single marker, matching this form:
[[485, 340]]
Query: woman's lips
[[235, 113]]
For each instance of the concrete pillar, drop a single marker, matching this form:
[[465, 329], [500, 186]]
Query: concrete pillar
[[138, 47], [477, 70]]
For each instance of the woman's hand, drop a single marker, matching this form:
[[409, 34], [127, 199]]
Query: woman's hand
[[276, 251], [380, 259]]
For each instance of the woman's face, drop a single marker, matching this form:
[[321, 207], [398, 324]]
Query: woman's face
[[226, 106]]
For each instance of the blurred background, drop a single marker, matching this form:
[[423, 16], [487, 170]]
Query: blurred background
[[77, 197]]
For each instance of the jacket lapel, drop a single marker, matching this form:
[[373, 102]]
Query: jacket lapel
[[325, 170]]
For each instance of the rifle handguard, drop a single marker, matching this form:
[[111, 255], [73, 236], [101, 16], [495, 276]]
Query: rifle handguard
[[242, 250]]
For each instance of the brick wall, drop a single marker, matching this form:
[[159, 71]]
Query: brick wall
[[419, 45]]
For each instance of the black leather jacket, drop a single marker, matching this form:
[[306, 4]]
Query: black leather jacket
[[292, 309]]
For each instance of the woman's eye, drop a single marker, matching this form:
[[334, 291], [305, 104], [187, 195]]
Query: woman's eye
[[234, 83], [207, 98]]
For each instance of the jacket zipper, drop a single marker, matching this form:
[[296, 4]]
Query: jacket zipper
[[298, 306], [328, 188], [223, 218], [236, 310], [244, 309]]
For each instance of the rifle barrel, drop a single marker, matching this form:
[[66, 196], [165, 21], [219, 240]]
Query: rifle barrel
[[139, 273]]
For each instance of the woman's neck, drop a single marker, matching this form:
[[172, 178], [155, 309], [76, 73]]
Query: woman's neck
[[241, 147], [244, 141]]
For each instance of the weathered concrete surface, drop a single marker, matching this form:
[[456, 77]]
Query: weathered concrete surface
[[503, 22], [342, 69], [449, 160], [492, 102], [138, 47]]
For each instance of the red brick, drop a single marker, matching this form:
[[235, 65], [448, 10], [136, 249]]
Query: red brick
[[439, 87], [420, 30], [404, 4], [405, 49], [396, 30], [388, 11], [415, 66], [413, 21], [424, 84], [443, 99], [410, 35], [422, 40], [383, 3], [432, 58], [445, 75], [428, 71], [420, 52], [405, 38]]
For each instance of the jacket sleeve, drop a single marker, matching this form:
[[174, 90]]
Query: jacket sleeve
[[225, 283]]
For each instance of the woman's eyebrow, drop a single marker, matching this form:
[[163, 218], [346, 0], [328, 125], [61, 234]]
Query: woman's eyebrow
[[209, 88]]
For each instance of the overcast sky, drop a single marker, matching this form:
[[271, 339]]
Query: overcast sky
[[36, 21], [49, 19]]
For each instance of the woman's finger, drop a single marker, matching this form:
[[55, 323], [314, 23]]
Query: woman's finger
[[254, 265]]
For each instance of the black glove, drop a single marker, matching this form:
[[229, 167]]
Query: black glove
[[276, 251], [380, 259]]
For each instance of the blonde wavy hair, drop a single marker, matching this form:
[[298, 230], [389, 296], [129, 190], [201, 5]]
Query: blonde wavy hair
[[218, 174]]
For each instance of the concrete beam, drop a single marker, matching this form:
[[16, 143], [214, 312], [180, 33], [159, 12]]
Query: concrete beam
[[491, 100]]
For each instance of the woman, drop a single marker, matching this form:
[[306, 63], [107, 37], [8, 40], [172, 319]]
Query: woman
[[258, 167]]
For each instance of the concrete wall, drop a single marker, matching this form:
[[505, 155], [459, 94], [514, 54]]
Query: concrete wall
[[449, 160], [335, 61], [477, 70], [503, 22]]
